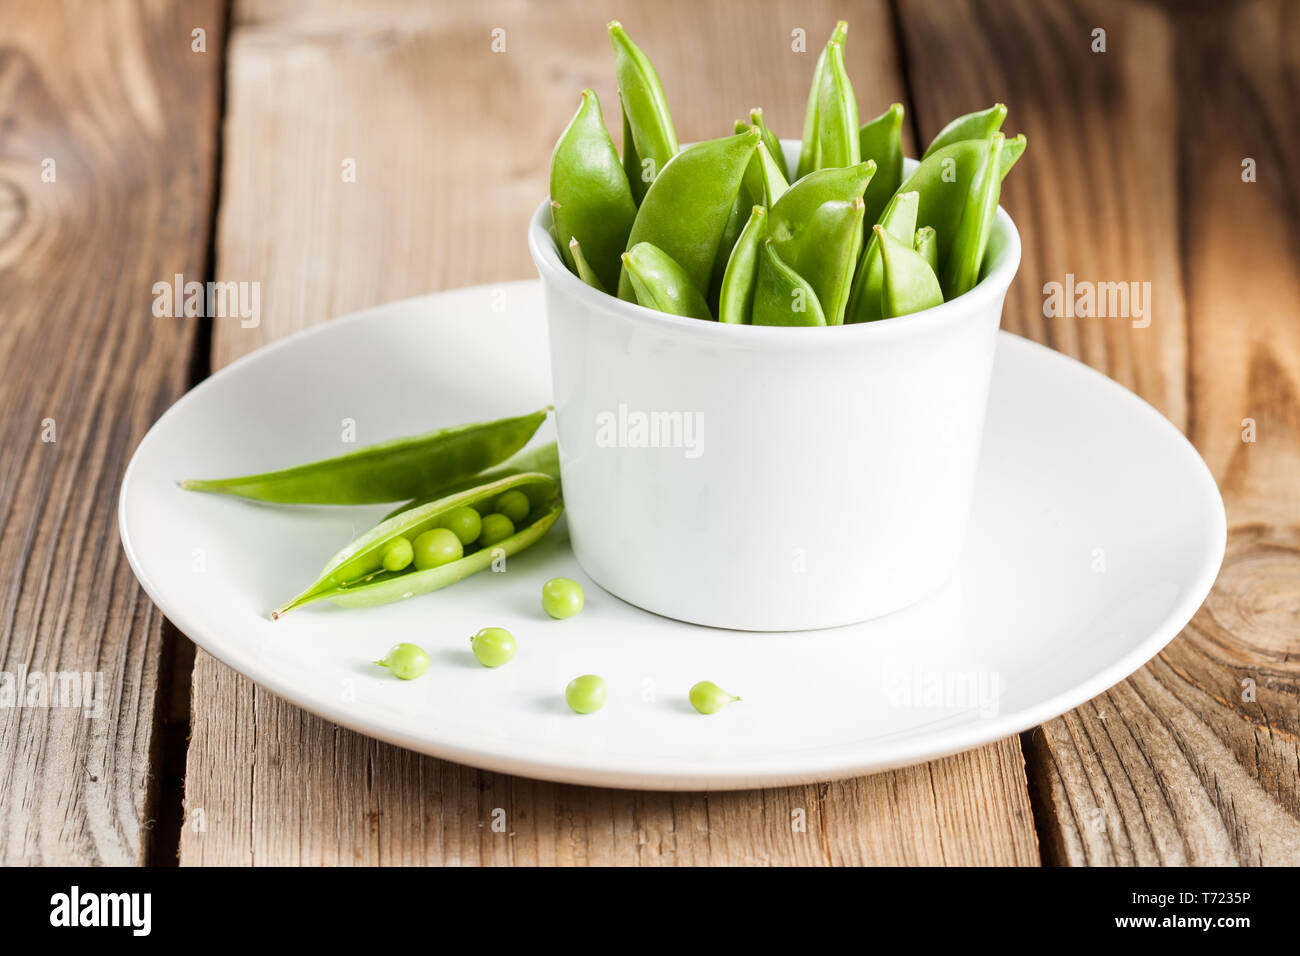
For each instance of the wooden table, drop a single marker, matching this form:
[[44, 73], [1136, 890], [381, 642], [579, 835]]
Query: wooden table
[[145, 139]]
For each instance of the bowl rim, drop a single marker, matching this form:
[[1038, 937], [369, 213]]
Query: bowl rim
[[988, 291]]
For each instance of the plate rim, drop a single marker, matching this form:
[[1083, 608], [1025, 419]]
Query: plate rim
[[834, 762]]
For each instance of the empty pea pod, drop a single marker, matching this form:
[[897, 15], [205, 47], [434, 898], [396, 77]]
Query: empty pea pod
[[661, 283], [704, 179], [910, 285], [899, 220], [923, 241], [585, 272], [357, 577], [781, 295], [736, 299], [645, 107], [590, 196], [389, 471], [979, 125], [881, 141]]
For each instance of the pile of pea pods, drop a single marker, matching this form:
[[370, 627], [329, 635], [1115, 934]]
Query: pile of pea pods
[[722, 231]]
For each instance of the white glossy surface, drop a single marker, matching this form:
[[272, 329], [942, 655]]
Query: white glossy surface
[[1072, 463], [828, 476]]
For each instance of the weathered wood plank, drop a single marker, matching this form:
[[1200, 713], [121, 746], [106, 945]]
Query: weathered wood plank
[[1134, 173], [450, 142], [108, 125]]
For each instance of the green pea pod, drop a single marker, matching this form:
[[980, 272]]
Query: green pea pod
[[356, 577], [924, 244], [899, 220], [770, 141], [881, 141], [736, 298], [781, 296], [944, 181], [966, 254], [388, 471], [763, 185], [808, 146], [837, 113], [1011, 151], [816, 226], [590, 196], [704, 181], [660, 283], [585, 272], [543, 460], [910, 284], [644, 105], [632, 162], [979, 125]]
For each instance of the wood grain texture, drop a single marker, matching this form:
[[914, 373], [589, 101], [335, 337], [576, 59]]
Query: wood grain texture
[[450, 143], [1134, 173], [108, 124]]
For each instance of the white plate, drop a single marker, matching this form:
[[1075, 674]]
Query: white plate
[[1096, 534]]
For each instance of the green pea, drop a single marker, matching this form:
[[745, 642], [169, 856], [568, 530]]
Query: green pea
[[464, 522], [708, 698], [397, 555], [562, 598], [407, 661], [585, 694], [496, 528], [493, 646], [436, 547], [514, 505]]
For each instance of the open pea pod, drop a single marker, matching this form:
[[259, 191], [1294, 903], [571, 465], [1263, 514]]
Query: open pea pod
[[980, 125], [704, 181], [590, 196], [544, 460], [881, 141], [660, 283], [899, 221], [356, 577], [910, 285], [388, 471], [736, 298], [966, 254], [645, 107], [808, 146], [781, 295]]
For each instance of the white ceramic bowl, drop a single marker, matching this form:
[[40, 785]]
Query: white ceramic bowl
[[805, 477]]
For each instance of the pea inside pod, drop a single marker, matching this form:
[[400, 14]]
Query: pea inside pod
[[357, 577], [388, 471]]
